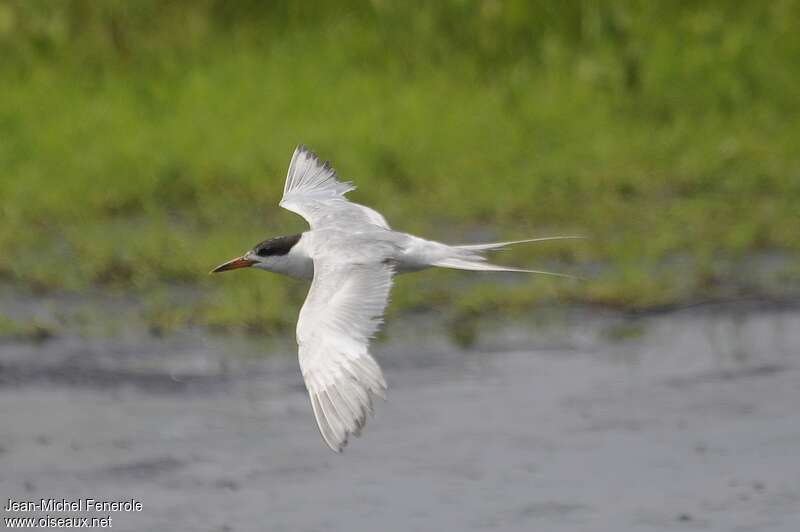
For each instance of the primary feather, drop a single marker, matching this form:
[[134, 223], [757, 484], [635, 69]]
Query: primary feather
[[313, 191], [342, 312]]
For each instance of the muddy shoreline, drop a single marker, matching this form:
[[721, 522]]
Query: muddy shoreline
[[569, 420]]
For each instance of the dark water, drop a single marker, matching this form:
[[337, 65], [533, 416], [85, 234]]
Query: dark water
[[684, 421]]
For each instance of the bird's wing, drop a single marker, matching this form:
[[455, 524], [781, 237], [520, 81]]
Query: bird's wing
[[343, 310], [314, 191]]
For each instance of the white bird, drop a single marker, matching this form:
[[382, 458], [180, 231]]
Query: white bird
[[351, 254]]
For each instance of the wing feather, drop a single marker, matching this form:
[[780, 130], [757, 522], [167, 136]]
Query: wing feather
[[313, 191], [342, 312], [310, 177]]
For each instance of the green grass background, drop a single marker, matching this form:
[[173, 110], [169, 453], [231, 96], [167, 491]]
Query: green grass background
[[142, 143]]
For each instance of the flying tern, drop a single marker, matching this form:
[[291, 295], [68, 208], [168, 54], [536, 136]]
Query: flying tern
[[351, 255]]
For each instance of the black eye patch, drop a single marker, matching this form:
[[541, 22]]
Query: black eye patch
[[276, 246]]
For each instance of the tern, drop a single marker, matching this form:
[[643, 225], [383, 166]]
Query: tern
[[351, 256]]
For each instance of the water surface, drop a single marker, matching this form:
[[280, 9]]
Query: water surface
[[582, 421]]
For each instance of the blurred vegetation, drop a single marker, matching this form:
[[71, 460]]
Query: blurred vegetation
[[142, 143]]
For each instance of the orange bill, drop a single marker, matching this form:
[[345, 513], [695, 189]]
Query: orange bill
[[235, 264]]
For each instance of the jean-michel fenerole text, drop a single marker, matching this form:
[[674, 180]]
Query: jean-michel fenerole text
[[75, 505]]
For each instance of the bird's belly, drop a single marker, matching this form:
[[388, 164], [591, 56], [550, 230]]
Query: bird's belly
[[407, 253], [403, 265], [416, 254]]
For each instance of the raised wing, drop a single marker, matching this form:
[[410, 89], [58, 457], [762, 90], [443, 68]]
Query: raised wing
[[314, 191], [343, 310]]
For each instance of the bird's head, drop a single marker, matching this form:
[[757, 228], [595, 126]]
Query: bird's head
[[272, 255]]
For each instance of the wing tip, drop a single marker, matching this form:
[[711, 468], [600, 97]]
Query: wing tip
[[302, 149], [334, 425], [308, 172]]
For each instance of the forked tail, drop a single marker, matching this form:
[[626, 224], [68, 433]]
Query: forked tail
[[469, 257]]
